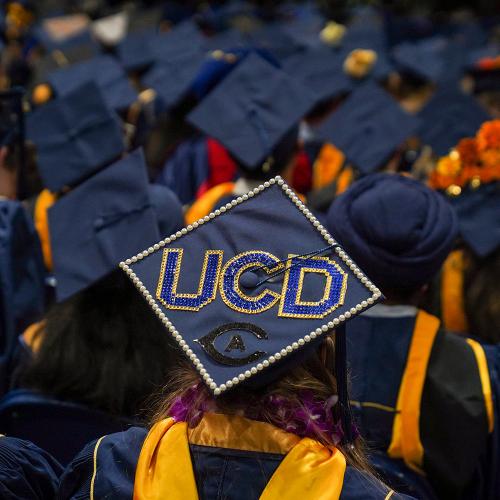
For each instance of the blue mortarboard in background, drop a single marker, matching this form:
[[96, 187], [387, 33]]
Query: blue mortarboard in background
[[478, 213], [227, 40], [448, 117], [74, 135], [167, 208], [183, 40], [171, 79], [368, 127], [135, 51], [96, 225], [252, 110], [78, 33], [422, 59], [485, 78], [250, 290], [105, 72]]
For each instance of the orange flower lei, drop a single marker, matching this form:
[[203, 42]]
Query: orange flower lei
[[474, 161]]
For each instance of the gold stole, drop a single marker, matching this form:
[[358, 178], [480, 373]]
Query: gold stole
[[164, 469]]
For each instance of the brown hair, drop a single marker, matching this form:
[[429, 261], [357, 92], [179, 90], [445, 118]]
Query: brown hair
[[315, 376]]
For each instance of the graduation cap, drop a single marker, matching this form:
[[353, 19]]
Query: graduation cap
[[105, 71], [422, 59], [110, 30], [171, 79], [484, 66], [251, 289], [449, 116], [254, 110], [54, 32], [183, 39], [368, 127], [75, 135], [135, 51], [96, 225], [478, 213]]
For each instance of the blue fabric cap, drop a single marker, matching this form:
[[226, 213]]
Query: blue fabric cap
[[74, 135], [250, 287], [167, 208], [396, 228], [368, 127], [448, 117], [423, 59], [252, 106], [105, 72], [479, 218], [135, 51], [172, 78], [98, 224]]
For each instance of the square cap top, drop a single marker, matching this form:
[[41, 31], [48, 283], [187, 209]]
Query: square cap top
[[96, 225], [423, 59], [368, 127], [270, 282], [105, 72], [74, 136], [479, 218], [252, 106], [449, 116]]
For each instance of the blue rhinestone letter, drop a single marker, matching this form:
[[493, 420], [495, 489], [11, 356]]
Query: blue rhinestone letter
[[292, 305], [167, 293]]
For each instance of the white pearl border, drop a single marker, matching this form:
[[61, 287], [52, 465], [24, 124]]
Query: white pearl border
[[263, 364]]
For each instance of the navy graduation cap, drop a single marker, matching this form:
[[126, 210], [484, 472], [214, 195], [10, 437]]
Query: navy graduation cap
[[253, 110], [250, 287], [105, 72], [74, 136], [368, 127], [478, 213], [101, 222], [449, 116]]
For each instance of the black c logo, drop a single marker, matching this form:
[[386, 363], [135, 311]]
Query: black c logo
[[207, 342]]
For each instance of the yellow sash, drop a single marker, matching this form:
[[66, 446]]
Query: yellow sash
[[206, 203], [164, 470], [406, 443], [44, 201], [452, 295]]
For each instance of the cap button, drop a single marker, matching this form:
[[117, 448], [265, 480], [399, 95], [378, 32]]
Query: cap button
[[249, 279]]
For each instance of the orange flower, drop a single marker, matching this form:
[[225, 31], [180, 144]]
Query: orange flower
[[488, 136], [448, 166], [467, 150]]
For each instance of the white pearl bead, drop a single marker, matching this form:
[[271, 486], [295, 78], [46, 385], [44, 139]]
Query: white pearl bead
[[347, 314], [295, 345], [212, 215], [260, 367], [324, 328], [370, 300], [342, 317], [336, 321], [265, 363], [247, 374], [213, 385], [222, 210], [229, 383], [353, 310], [222, 387], [241, 376], [313, 335], [250, 194], [277, 355], [301, 342], [266, 184], [307, 338], [318, 331], [234, 203], [272, 359], [235, 380], [245, 197], [253, 370]]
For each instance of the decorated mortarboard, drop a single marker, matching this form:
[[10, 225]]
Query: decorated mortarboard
[[449, 116], [74, 136], [96, 225], [253, 109], [251, 289], [105, 71], [110, 30], [422, 59], [368, 127], [478, 213], [484, 65]]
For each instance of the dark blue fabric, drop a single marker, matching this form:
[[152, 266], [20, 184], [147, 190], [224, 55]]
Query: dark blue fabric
[[105, 71], [101, 222], [167, 208], [74, 136], [26, 471], [448, 117], [368, 127], [396, 229], [479, 218], [22, 275], [423, 59], [61, 428], [186, 170], [220, 473], [252, 105], [377, 349]]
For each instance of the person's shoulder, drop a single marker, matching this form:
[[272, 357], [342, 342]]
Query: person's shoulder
[[26, 471], [106, 464], [359, 485]]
